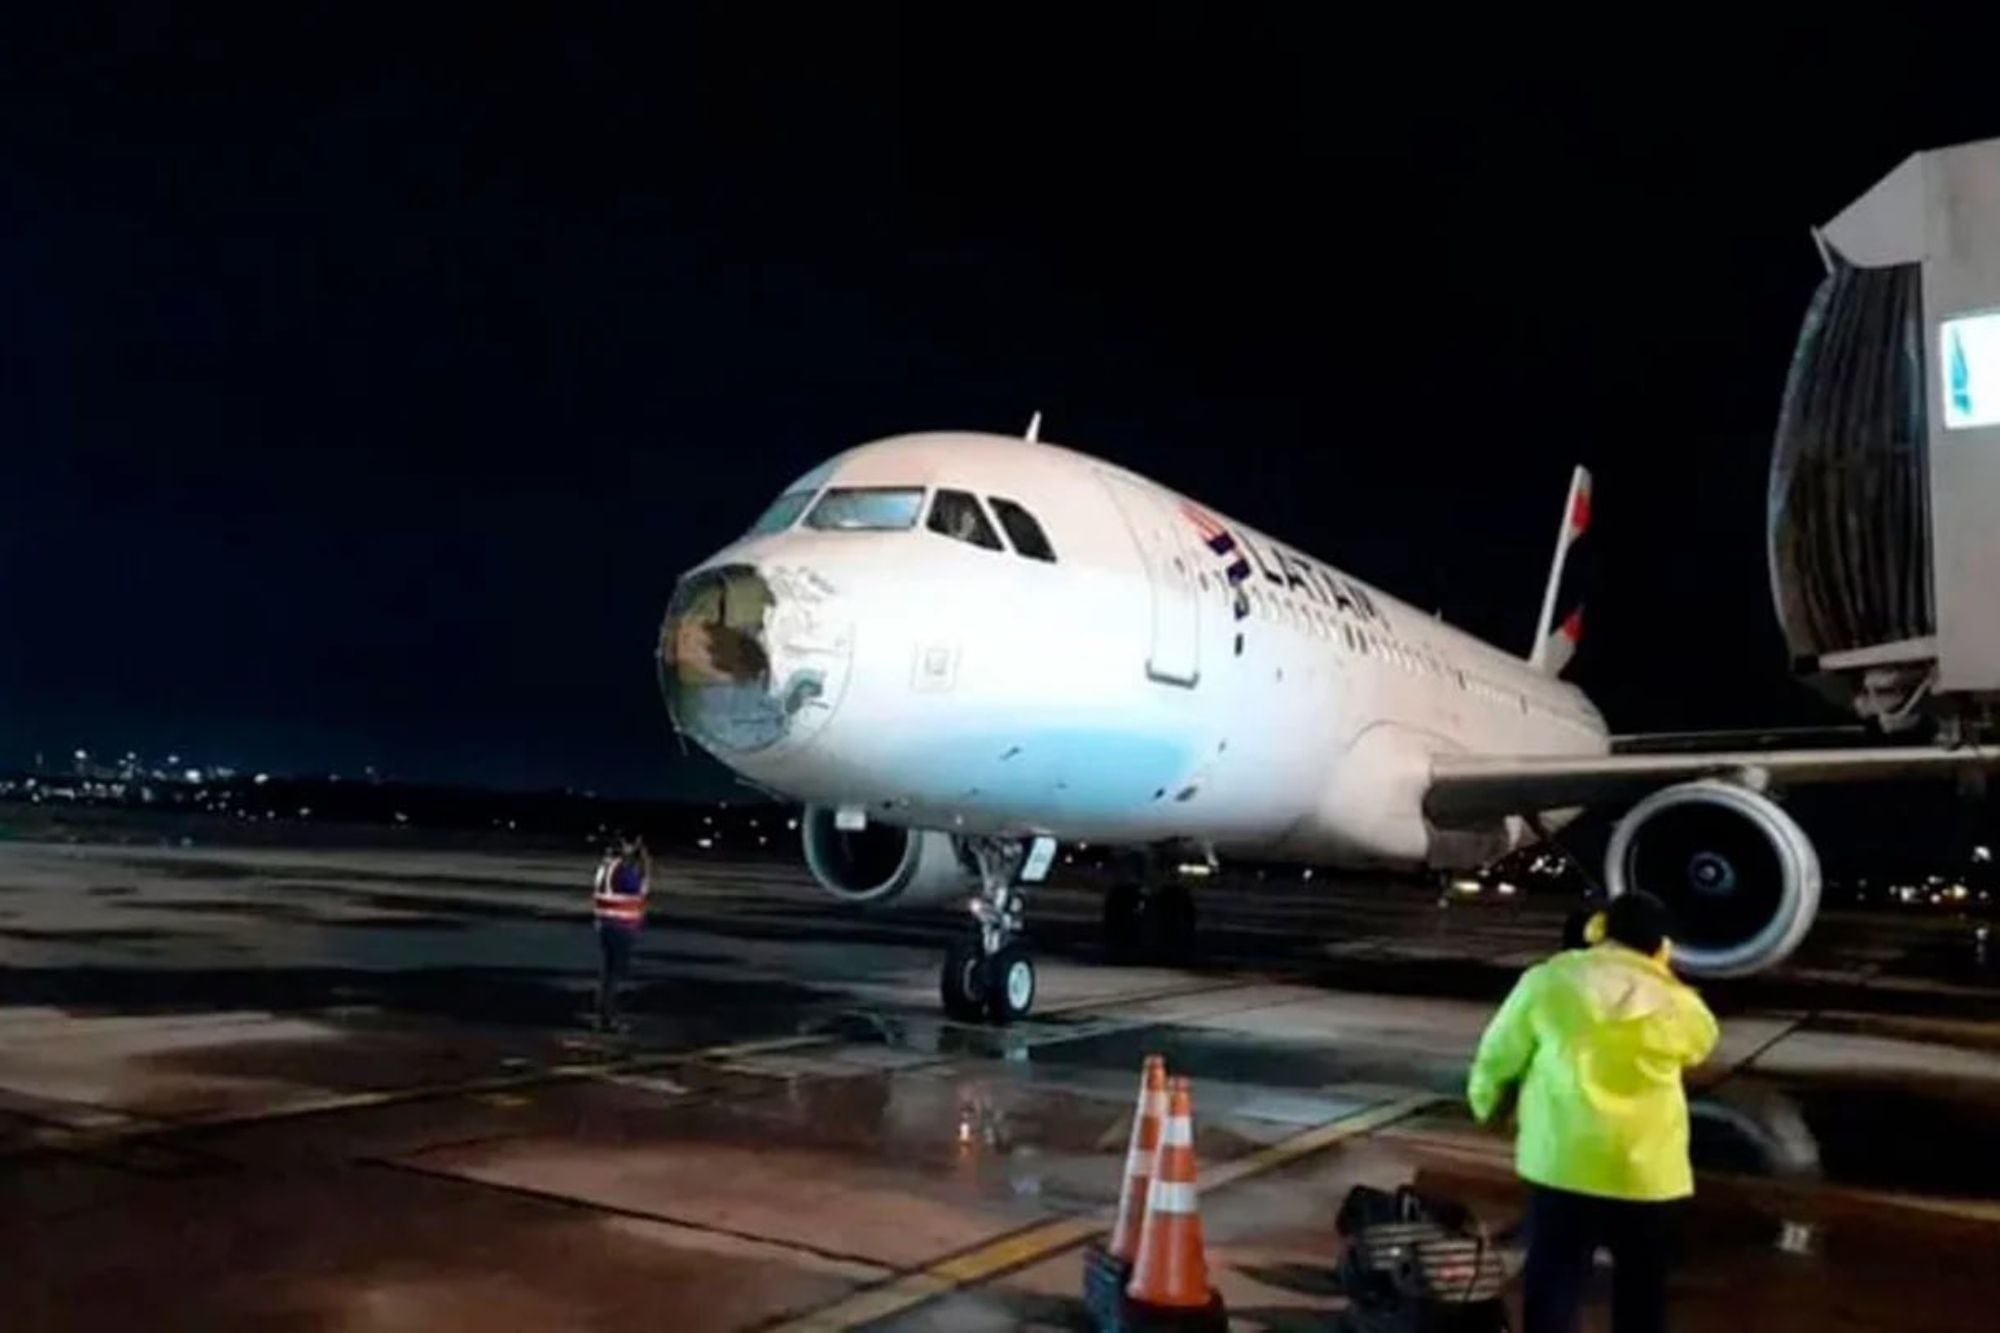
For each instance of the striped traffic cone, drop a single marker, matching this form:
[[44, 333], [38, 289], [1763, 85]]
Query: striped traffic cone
[[1169, 1287], [1106, 1270]]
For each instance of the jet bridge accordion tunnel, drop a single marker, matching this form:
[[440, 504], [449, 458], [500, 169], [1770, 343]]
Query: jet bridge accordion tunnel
[[1884, 520]]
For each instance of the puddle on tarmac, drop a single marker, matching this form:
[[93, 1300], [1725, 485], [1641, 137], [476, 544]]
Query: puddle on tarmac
[[1255, 1060]]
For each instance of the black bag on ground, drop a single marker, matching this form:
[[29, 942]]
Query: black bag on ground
[[1416, 1264]]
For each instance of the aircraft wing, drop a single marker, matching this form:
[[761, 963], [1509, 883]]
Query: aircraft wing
[[1466, 788]]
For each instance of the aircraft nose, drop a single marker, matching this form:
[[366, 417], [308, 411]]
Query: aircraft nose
[[747, 659]]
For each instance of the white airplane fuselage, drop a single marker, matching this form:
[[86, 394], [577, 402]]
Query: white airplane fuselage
[[1172, 675]]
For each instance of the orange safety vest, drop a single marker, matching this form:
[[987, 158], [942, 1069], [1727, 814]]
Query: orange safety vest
[[628, 909]]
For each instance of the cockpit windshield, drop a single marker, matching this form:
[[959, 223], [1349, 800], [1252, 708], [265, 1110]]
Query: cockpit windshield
[[783, 512], [867, 509]]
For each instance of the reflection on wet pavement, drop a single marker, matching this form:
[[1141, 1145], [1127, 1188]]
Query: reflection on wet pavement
[[349, 1090]]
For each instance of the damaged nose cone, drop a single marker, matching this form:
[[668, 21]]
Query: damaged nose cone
[[743, 663], [714, 669]]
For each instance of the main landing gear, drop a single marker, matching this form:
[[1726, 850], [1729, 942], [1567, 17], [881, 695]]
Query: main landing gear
[[1150, 919], [990, 974]]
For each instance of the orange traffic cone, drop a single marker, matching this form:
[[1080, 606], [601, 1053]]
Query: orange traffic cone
[[1169, 1287], [1145, 1146], [1106, 1270]]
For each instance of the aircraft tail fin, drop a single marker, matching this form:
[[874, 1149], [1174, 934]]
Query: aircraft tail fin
[[1560, 628]]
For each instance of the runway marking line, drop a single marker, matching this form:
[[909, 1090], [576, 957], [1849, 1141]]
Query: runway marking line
[[329, 1103], [1045, 1240], [581, 1203]]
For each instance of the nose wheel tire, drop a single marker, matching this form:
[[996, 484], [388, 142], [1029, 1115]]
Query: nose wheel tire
[[1010, 983], [962, 981]]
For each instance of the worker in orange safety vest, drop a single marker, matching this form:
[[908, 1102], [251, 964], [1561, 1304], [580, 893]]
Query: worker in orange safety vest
[[618, 901]]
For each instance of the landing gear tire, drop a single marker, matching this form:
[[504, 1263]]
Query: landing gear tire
[[1170, 924], [1124, 917], [962, 981], [1010, 983]]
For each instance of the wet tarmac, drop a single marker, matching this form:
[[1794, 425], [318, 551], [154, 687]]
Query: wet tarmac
[[348, 1090]]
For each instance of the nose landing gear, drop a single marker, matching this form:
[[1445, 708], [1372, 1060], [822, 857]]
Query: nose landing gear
[[991, 975]]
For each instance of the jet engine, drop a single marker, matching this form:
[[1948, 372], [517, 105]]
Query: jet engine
[[881, 865], [1739, 875]]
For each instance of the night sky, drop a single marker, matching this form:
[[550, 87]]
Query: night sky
[[365, 384]]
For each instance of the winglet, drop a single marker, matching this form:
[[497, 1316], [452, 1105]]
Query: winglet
[[1556, 640], [1034, 429]]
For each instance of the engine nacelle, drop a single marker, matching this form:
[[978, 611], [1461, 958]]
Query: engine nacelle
[[882, 865], [1740, 876]]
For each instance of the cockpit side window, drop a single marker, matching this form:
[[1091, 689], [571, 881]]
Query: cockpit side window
[[783, 512], [1022, 530], [867, 509], [957, 515]]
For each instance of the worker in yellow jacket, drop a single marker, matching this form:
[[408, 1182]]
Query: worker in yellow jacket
[[1592, 1043]]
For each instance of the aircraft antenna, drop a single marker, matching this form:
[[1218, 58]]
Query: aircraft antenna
[[1034, 428]]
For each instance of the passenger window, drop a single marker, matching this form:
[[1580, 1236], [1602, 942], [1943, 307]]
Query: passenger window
[[957, 515], [1022, 530], [867, 509]]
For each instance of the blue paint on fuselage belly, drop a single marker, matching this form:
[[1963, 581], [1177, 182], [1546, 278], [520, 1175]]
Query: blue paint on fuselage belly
[[1077, 771]]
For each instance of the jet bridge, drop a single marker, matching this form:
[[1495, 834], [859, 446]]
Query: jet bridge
[[1884, 521]]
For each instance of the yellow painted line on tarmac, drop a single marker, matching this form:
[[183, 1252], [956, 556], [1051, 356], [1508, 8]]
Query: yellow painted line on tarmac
[[1047, 1239], [1494, 1156], [1290, 1150], [1971, 1210]]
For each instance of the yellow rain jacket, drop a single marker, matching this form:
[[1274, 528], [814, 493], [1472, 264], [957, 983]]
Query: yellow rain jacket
[[1597, 1039]]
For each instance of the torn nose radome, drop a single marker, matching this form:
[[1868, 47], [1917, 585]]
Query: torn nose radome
[[715, 665]]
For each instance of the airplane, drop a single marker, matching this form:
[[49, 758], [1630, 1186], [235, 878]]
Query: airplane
[[956, 650]]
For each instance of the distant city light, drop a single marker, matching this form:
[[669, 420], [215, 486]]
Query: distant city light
[[704, 843], [192, 775], [1982, 853], [82, 755], [261, 779]]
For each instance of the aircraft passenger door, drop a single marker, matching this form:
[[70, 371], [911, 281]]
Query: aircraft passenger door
[[1165, 546]]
